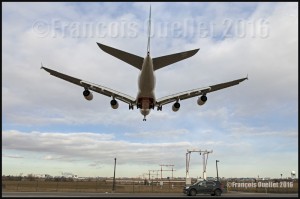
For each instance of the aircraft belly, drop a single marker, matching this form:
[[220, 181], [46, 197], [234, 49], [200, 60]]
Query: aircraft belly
[[145, 97], [146, 82]]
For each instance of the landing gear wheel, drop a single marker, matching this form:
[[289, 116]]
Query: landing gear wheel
[[193, 192], [218, 192]]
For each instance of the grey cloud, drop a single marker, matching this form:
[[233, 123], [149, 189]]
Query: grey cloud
[[12, 156], [88, 146], [33, 98], [164, 134], [25, 84]]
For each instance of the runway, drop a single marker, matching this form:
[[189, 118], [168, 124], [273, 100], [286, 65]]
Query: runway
[[140, 195]]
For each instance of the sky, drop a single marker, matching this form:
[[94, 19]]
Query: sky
[[49, 128]]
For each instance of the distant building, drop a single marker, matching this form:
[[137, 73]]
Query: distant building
[[68, 175]]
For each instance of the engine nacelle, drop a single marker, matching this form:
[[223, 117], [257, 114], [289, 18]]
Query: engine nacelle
[[87, 95], [175, 106], [114, 104], [201, 100]]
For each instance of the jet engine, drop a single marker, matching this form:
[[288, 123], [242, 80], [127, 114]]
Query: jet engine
[[114, 104], [175, 106], [201, 100], [87, 95]]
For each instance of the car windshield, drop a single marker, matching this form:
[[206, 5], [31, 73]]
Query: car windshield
[[198, 181]]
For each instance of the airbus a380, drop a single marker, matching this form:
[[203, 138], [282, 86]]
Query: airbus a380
[[145, 99]]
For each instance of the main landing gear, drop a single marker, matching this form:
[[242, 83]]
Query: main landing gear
[[159, 108]]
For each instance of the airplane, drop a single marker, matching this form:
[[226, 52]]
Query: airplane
[[145, 99]]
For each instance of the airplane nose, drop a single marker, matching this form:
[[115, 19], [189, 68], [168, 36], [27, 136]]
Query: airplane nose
[[145, 112]]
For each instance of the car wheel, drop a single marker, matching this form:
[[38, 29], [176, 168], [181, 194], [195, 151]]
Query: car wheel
[[218, 192], [193, 192]]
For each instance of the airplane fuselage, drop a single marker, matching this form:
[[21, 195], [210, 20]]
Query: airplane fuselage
[[146, 83]]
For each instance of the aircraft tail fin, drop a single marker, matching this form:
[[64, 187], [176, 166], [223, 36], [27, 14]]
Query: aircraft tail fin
[[149, 32], [129, 58], [160, 62]]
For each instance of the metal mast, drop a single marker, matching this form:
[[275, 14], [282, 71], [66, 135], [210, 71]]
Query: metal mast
[[166, 165], [188, 158]]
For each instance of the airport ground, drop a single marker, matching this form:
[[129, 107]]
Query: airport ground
[[143, 195], [128, 186]]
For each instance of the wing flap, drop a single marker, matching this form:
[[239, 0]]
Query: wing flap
[[196, 92], [160, 62], [94, 87], [129, 58], [62, 76], [108, 92], [182, 95], [226, 84]]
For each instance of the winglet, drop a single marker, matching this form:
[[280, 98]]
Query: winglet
[[42, 67], [247, 77]]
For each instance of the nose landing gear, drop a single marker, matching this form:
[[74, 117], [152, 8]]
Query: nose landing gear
[[144, 118]]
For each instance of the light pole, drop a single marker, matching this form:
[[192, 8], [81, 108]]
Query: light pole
[[217, 169], [114, 180]]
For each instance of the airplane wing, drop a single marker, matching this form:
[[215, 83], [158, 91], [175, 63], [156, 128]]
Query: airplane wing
[[129, 58], [94, 87], [196, 92], [160, 62]]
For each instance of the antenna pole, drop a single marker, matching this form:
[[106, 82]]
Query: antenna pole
[[114, 179]]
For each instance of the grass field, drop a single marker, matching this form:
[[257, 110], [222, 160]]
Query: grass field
[[93, 186]]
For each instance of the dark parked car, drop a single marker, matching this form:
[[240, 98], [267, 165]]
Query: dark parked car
[[214, 188]]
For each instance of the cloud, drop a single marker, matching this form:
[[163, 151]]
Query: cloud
[[50, 157], [156, 134], [63, 146], [12, 156], [48, 116], [250, 131], [211, 57], [70, 147]]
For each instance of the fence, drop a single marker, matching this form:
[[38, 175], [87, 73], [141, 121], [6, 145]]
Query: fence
[[92, 186]]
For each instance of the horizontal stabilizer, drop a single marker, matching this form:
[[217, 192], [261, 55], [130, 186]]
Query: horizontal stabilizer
[[163, 61], [131, 59]]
